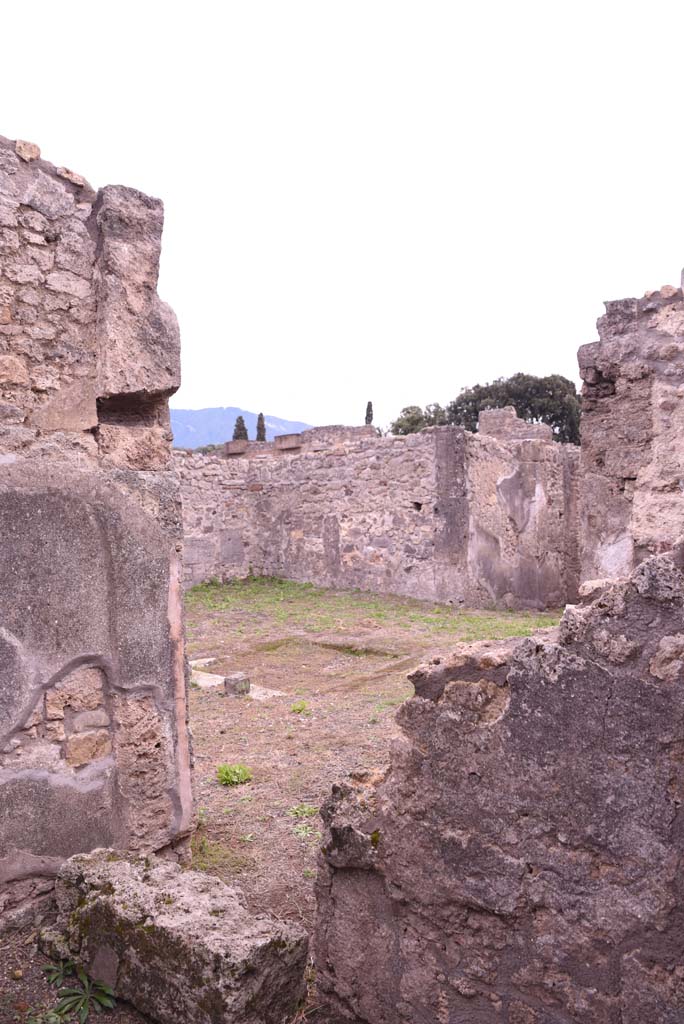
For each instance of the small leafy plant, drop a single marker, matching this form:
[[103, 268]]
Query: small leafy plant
[[300, 707], [79, 1001], [233, 774], [57, 973], [305, 831], [35, 1016], [303, 811]]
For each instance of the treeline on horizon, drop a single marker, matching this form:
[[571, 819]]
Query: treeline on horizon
[[552, 400]]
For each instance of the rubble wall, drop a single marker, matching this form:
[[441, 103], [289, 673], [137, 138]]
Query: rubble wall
[[632, 425], [93, 740], [441, 515], [520, 862]]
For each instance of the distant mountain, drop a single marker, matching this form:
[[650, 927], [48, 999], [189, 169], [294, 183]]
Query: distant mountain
[[193, 428]]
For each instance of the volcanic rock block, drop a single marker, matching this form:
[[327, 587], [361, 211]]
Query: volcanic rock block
[[521, 860], [180, 946]]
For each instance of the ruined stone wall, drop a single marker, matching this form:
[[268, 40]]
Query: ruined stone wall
[[442, 515], [359, 514], [521, 860], [632, 426], [93, 740]]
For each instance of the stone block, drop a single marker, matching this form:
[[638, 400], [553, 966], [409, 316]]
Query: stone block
[[80, 690], [138, 334], [287, 442], [84, 747], [236, 684], [26, 150], [235, 447], [179, 945], [505, 425], [205, 680]]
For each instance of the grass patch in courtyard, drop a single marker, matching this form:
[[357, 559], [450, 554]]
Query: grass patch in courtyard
[[316, 610]]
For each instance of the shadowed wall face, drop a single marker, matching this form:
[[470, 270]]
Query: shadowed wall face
[[93, 737]]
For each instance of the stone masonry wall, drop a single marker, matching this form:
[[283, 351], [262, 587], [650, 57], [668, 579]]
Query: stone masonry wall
[[520, 862], [94, 747], [632, 426], [442, 515]]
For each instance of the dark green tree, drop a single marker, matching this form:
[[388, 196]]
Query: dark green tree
[[553, 400], [435, 415], [261, 428], [369, 414], [240, 430], [412, 418]]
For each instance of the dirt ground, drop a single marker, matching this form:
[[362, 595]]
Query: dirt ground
[[337, 662]]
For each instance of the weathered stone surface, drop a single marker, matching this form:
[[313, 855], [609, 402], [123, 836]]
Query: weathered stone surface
[[206, 680], [26, 150], [94, 748], [521, 860], [180, 946], [441, 515], [84, 747], [632, 428], [80, 690], [138, 334]]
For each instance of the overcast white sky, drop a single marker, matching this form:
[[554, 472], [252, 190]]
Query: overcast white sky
[[371, 198]]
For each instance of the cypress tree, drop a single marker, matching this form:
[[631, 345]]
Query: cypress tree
[[240, 431], [369, 414], [261, 428]]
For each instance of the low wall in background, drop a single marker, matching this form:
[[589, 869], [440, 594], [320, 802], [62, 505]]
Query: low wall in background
[[481, 520]]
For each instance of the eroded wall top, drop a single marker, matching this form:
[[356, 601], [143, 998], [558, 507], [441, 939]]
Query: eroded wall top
[[86, 346]]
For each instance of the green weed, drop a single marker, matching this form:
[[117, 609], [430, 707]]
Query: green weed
[[233, 774], [303, 811], [79, 1000], [37, 1016], [304, 831], [57, 973]]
